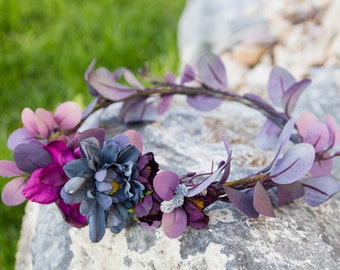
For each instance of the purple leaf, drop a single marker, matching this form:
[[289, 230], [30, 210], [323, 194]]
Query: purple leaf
[[242, 201], [137, 110], [106, 85], [281, 143], [205, 183], [291, 96], [279, 81], [30, 157], [132, 80], [188, 74], [260, 102], [268, 135], [227, 164], [165, 184], [87, 77], [204, 103], [170, 77], [174, 223], [89, 108], [9, 169], [319, 189], [289, 192], [212, 71], [294, 164], [164, 104], [262, 202], [12, 192]]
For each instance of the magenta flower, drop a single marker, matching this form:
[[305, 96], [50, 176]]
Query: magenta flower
[[44, 164], [323, 137], [43, 125]]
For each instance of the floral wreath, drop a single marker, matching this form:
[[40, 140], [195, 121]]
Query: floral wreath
[[108, 183]]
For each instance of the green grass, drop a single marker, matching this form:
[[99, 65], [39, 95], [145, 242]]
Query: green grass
[[46, 45]]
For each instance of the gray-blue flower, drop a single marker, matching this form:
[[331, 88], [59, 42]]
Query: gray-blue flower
[[105, 182]]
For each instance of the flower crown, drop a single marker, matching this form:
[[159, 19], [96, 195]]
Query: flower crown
[[108, 183]]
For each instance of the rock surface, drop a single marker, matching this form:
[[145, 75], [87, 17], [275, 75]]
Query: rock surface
[[184, 140]]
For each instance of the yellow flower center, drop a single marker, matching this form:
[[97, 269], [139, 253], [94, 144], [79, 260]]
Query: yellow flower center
[[200, 204], [115, 187]]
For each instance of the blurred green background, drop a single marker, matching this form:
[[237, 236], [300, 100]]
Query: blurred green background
[[46, 45]]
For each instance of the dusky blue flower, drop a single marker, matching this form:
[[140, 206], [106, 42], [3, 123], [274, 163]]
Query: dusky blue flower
[[104, 181]]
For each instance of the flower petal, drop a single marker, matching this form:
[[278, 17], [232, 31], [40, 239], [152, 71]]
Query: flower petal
[[97, 223], [74, 184], [165, 184], [322, 167], [37, 191], [318, 136], [135, 139], [306, 119], [76, 167], [174, 223], [12, 192], [71, 214], [45, 122], [19, 136], [28, 120], [9, 169], [29, 157], [67, 115]]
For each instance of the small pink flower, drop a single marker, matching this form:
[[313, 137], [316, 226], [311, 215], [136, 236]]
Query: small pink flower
[[43, 125]]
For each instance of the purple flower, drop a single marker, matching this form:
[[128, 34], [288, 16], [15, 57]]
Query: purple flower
[[181, 205], [323, 137], [44, 164], [44, 125]]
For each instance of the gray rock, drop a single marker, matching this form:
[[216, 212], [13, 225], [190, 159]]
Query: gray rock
[[300, 237], [218, 25]]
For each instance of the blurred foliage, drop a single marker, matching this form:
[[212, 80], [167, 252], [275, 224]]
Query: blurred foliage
[[46, 45]]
